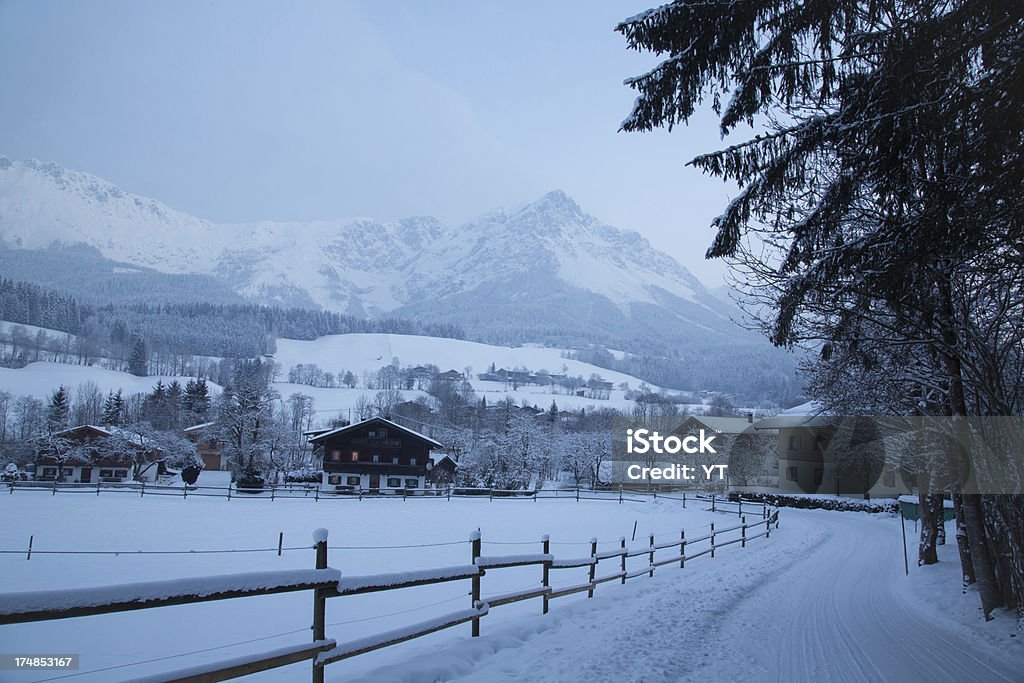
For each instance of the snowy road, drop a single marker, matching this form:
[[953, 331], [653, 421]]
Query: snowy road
[[828, 601]]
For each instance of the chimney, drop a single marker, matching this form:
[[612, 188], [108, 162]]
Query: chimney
[[750, 418]]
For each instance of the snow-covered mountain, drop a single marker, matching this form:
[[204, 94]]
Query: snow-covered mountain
[[547, 266]]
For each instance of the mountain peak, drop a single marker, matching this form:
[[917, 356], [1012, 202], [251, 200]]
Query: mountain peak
[[553, 210]]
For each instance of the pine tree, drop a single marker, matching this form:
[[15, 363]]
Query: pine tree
[[890, 177], [113, 408], [195, 402], [58, 410], [138, 361]]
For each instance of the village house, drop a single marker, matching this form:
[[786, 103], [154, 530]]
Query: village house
[[91, 462], [807, 460], [375, 455], [442, 472], [209, 448]]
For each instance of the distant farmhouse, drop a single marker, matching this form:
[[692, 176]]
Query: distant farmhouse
[[82, 455], [375, 455], [209, 448]]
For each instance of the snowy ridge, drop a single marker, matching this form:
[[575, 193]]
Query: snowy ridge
[[360, 266]]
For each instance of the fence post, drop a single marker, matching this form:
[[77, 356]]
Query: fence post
[[620, 494], [776, 519], [54, 488], [490, 495], [712, 539], [29, 556], [280, 543], [712, 502], [97, 486], [743, 532], [577, 493], [229, 490], [546, 540], [449, 491], [319, 600], [684, 500], [475, 599], [622, 557], [143, 493], [651, 560], [316, 495], [593, 566], [184, 490], [273, 488], [740, 513], [682, 548]]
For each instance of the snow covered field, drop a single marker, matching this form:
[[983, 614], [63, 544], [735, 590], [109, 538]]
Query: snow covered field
[[112, 522], [358, 353], [823, 599]]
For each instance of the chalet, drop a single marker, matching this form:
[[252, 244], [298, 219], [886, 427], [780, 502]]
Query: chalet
[[374, 455], [450, 376], [807, 460], [443, 471], [91, 462], [209, 448]]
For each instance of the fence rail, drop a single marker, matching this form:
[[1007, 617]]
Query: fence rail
[[327, 583], [317, 493]]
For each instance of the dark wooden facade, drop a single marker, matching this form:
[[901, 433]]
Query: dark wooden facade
[[373, 455]]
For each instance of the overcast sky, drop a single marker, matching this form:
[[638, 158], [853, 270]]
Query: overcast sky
[[239, 111]]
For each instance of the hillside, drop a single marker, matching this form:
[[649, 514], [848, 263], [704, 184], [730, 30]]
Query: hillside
[[361, 354]]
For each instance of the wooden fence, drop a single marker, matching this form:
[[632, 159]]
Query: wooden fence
[[315, 493], [327, 583]]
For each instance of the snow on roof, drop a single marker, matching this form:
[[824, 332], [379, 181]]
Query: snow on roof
[[412, 432], [197, 427], [722, 425]]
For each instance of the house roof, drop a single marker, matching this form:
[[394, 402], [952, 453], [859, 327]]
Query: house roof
[[102, 431], [195, 428], [389, 423], [784, 421], [438, 457], [722, 425]]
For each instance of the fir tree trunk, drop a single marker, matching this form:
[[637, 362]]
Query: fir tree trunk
[[962, 544], [988, 587], [974, 516], [1004, 522]]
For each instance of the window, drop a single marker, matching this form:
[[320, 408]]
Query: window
[[818, 474], [382, 433], [334, 479], [412, 461], [394, 460], [353, 481], [335, 456], [355, 456], [394, 482], [121, 473], [106, 473], [371, 434], [376, 457], [794, 442], [791, 473], [412, 483], [68, 471], [49, 471]]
